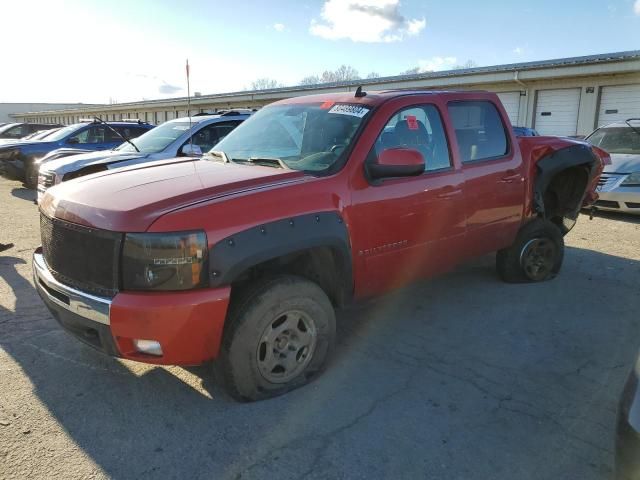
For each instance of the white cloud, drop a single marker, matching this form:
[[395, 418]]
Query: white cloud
[[278, 27], [365, 21], [435, 64], [518, 50], [636, 7]]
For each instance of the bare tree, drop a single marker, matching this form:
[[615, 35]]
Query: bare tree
[[265, 84], [373, 75], [344, 73], [467, 64], [310, 80], [411, 71]]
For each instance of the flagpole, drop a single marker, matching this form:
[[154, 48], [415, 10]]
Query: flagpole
[[189, 108]]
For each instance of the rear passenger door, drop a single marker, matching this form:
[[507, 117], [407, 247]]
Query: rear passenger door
[[493, 175]]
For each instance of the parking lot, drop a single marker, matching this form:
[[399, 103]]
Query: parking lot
[[459, 377]]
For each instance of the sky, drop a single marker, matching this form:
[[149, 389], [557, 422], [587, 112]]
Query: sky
[[117, 51]]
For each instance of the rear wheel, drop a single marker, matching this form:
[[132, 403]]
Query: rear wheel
[[535, 256], [279, 336]]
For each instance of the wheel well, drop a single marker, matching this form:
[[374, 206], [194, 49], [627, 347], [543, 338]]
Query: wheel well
[[325, 266], [564, 195]]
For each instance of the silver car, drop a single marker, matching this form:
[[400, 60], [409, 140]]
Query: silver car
[[175, 138], [619, 186]]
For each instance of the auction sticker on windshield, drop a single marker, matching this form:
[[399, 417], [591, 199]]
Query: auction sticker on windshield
[[346, 109]]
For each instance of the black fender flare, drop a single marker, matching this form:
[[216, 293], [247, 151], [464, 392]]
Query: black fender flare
[[232, 256], [549, 166]]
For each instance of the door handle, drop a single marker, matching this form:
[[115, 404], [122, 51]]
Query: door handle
[[447, 192], [510, 176]]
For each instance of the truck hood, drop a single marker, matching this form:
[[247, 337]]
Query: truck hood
[[19, 144], [623, 163], [73, 163], [132, 198]]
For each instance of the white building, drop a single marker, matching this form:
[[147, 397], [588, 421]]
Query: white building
[[567, 96], [7, 110]]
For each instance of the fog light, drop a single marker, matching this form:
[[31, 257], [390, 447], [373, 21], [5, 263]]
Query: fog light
[[150, 347]]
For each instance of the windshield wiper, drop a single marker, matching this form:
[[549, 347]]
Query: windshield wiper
[[271, 162], [117, 133], [628, 122]]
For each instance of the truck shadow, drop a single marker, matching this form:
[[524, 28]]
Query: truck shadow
[[462, 366], [24, 193]]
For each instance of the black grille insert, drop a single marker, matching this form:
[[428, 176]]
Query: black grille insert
[[81, 257], [607, 204]]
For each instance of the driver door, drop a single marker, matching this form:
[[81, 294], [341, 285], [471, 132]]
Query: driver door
[[408, 228]]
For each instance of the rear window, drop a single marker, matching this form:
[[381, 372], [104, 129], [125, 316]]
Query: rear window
[[480, 134], [617, 139]]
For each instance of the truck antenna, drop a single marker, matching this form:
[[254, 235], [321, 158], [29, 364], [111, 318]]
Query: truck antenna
[[360, 93]]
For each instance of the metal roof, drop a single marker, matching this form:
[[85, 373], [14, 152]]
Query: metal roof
[[513, 67]]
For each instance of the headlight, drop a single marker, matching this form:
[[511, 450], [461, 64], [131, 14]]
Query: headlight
[[165, 261], [632, 180]]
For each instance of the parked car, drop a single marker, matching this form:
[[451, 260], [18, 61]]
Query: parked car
[[312, 203], [525, 132], [628, 430], [20, 130], [619, 187], [20, 159], [39, 135], [169, 140]]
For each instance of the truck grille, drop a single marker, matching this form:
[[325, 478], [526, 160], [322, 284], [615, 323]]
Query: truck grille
[[81, 257]]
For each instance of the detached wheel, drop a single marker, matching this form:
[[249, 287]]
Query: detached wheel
[[279, 335], [535, 256]]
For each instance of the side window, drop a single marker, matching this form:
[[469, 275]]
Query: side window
[[479, 130], [419, 128], [95, 134], [210, 135]]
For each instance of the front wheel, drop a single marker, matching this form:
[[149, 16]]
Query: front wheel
[[31, 175], [279, 336], [535, 256]]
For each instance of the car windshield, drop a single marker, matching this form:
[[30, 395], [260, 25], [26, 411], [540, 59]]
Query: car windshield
[[6, 127], [309, 137], [617, 139], [64, 132], [157, 139]]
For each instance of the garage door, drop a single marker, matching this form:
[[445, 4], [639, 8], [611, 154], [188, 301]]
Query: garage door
[[619, 103], [511, 102], [557, 111]]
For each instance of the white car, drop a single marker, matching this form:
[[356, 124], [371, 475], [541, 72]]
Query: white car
[[180, 137], [619, 186]]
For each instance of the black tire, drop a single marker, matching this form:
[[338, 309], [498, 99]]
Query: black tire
[[535, 256], [248, 350], [31, 175]]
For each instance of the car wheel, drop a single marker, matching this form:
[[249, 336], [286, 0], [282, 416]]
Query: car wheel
[[31, 175], [535, 256], [279, 335]]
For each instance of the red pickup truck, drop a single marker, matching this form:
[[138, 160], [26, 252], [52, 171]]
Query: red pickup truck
[[314, 202]]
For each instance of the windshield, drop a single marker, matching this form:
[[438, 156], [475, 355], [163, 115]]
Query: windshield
[[617, 139], [158, 139], [310, 137], [6, 127], [63, 132]]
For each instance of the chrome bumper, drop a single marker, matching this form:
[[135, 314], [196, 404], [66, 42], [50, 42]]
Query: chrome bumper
[[83, 304]]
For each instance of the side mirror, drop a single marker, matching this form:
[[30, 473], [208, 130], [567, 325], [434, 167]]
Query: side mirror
[[397, 162], [191, 150], [73, 140]]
